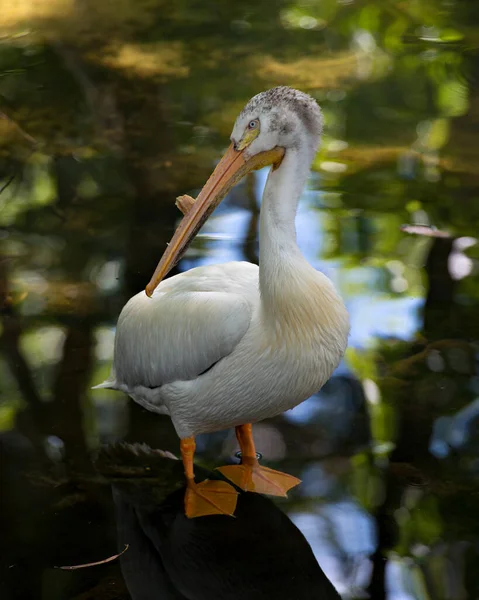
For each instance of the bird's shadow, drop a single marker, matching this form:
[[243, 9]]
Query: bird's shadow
[[259, 554]]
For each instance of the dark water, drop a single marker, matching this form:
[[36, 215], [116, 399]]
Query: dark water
[[112, 109]]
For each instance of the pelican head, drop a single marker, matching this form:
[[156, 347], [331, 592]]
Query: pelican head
[[280, 117], [271, 124]]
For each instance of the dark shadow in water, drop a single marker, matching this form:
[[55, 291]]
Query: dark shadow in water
[[258, 554]]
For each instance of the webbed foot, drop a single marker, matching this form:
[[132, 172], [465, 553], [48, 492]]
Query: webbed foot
[[255, 478], [210, 497]]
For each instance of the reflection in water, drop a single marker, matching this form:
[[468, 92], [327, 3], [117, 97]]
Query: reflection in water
[[257, 555], [114, 109]]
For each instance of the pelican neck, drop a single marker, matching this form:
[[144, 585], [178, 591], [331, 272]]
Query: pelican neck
[[281, 260]]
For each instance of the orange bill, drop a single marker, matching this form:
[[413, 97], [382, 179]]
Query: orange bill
[[231, 168]]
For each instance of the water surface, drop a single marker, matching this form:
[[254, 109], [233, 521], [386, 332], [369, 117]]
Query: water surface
[[111, 110]]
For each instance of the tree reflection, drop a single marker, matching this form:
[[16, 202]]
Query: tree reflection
[[111, 110]]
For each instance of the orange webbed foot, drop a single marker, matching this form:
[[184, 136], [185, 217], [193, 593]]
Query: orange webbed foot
[[210, 498], [255, 478]]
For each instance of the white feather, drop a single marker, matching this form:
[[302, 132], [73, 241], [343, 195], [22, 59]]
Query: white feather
[[224, 345]]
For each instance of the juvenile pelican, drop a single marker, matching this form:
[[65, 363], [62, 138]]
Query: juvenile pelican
[[228, 345]]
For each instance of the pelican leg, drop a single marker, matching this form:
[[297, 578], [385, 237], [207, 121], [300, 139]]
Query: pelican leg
[[208, 497], [184, 203], [250, 476]]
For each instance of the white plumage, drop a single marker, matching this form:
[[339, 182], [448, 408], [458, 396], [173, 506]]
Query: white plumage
[[253, 366], [224, 345]]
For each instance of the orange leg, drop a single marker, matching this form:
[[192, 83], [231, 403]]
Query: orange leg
[[208, 497], [250, 476]]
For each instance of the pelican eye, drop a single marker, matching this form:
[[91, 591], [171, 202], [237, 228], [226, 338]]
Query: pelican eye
[[251, 132]]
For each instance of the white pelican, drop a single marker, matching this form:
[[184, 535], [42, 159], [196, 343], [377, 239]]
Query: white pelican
[[228, 345]]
